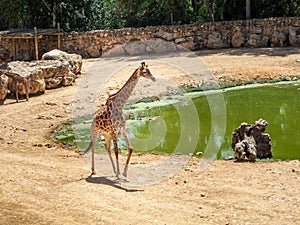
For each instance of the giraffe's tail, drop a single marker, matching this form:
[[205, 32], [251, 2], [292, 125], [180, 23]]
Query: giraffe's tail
[[87, 150]]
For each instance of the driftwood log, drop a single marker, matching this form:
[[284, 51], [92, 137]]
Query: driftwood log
[[249, 142]]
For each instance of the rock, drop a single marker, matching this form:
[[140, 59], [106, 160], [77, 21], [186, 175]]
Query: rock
[[294, 35], [57, 73], [263, 141], [157, 46], [215, 41], [279, 39], [118, 50], [188, 169], [187, 43], [288, 78], [43, 75], [32, 72], [48, 145], [19, 128], [42, 117], [50, 103], [249, 142], [74, 60], [238, 39], [199, 153], [38, 145], [3, 88], [165, 35], [135, 48], [94, 51], [254, 40], [54, 82]]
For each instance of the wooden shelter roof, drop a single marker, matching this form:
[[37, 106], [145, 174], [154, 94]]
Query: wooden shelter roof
[[27, 33], [35, 33]]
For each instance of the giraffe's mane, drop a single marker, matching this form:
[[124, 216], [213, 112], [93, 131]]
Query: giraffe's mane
[[114, 94]]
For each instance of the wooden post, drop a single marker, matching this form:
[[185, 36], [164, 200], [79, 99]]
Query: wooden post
[[248, 9], [58, 36], [36, 44]]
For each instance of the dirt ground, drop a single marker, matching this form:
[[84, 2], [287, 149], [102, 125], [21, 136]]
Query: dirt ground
[[43, 182]]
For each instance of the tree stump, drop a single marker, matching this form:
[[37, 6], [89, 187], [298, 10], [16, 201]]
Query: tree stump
[[249, 142]]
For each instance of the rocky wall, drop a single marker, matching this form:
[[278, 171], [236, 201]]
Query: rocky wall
[[243, 33]]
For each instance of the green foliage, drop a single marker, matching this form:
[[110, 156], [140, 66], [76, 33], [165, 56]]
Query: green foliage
[[108, 14], [104, 16], [65, 135]]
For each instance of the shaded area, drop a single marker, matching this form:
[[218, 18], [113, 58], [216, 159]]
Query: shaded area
[[279, 51], [114, 182]]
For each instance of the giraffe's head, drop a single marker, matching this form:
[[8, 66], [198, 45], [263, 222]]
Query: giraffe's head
[[145, 72]]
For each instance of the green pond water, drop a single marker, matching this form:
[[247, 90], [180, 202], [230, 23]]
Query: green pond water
[[203, 122]]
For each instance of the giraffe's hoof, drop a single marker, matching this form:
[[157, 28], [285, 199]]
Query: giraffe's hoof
[[125, 174], [117, 173], [81, 152]]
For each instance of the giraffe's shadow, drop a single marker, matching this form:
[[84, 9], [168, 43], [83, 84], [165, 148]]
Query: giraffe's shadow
[[110, 182]]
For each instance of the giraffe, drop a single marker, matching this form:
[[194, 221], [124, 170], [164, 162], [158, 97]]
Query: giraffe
[[109, 120], [18, 80]]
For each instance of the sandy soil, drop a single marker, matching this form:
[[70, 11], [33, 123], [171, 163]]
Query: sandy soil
[[43, 182]]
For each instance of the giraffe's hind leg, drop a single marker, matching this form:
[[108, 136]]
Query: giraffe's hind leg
[[107, 145], [130, 149], [27, 90], [17, 95], [94, 139], [115, 140]]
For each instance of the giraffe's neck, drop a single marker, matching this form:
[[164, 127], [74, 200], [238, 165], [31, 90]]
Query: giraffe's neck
[[124, 93]]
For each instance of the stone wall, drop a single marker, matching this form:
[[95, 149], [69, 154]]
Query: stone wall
[[243, 33]]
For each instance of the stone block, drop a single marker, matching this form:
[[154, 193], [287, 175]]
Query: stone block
[[74, 60], [294, 35]]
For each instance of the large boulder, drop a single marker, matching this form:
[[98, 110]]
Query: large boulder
[[187, 43], [56, 69], [45, 74], [279, 39], [238, 38], [294, 35], [32, 72], [166, 36], [57, 73], [135, 48], [74, 60], [215, 40], [157, 46]]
